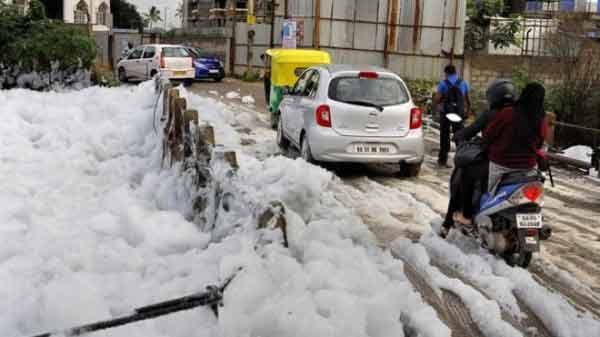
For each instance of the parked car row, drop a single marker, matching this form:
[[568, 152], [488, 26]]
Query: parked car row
[[171, 61], [344, 113]]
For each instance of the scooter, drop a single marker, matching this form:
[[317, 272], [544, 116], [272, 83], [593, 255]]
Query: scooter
[[509, 223]]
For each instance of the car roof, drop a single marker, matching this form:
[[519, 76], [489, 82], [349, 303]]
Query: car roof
[[338, 68], [163, 45], [302, 56]]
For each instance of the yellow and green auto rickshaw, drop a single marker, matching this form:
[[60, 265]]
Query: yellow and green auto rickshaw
[[286, 65]]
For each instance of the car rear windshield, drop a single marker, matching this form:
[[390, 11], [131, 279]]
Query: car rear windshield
[[175, 52], [204, 54], [193, 53], [381, 91]]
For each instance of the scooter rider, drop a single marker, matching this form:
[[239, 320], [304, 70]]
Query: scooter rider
[[500, 93]]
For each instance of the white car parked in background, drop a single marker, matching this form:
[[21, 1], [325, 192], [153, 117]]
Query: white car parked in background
[[345, 113], [145, 61]]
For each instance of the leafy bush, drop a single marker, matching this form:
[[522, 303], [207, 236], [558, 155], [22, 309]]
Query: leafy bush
[[422, 93], [32, 42], [125, 15], [481, 29], [105, 78], [250, 76], [521, 77]]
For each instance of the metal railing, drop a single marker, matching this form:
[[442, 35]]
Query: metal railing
[[594, 161]]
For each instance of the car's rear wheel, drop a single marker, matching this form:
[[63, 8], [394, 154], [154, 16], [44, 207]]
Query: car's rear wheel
[[282, 141], [218, 79], [410, 170], [122, 75], [305, 150]]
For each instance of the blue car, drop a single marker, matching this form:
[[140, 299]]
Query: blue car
[[207, 66]]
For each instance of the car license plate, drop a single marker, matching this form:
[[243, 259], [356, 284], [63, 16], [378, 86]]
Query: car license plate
[[179, 73], [530, 220], [213, 71], [372, 148]]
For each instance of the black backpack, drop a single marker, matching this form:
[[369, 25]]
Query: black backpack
[[454, 101]]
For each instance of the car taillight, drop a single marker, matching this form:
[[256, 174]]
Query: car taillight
[[532, 192], [368, 74], [162, 62], [323, 116], [416, 118]]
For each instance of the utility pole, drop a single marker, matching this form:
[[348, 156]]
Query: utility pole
[[285, 10], [231, 16], [251, 33], [317, 31], [272, 37]]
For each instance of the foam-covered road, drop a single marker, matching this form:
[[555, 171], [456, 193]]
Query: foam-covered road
[[557, 296]]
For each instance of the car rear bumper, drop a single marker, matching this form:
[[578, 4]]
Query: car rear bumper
[[329, 146], [179, 74], [204, 73]]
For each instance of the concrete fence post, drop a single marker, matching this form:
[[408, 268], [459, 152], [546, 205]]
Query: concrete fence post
[[173, 94], [231, 158], [166, 87], [180, 105], [273, 217], [181, 140]]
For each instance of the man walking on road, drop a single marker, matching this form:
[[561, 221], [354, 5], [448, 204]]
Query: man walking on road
[[453, 96]]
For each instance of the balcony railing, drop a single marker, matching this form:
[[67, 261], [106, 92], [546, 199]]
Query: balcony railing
[[555, 6]]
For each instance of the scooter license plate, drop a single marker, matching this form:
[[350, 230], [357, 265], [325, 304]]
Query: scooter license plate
[[529, 220]]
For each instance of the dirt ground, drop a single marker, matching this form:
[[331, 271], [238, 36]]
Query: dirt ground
[[254, 89]]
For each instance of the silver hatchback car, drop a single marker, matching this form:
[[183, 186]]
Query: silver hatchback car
[[347, 113]]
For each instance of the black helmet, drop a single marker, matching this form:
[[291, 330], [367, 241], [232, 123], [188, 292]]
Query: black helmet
[[501, 93]]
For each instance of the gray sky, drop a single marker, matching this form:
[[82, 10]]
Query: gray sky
[[170, 5]]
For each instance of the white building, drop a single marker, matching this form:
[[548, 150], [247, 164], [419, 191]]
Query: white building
[[96, 12], [77, 11]]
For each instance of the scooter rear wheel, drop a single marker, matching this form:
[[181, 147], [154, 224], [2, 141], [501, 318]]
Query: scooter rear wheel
[[520, 259]]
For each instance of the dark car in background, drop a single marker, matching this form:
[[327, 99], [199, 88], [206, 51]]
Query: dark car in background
[[207, 66]]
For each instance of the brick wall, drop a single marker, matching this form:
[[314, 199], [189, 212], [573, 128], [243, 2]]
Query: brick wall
[[482, 69]]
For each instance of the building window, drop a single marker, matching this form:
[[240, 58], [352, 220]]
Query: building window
[[102, 14], [21, 6], [81, 13]]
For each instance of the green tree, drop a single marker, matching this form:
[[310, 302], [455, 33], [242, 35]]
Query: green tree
[[36, 11], [479, 28], [125, 15], [32, 42], [153, 16]]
